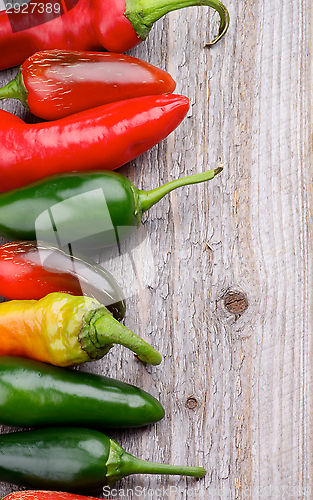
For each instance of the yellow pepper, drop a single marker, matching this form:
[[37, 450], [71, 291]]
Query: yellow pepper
[[65, 330]]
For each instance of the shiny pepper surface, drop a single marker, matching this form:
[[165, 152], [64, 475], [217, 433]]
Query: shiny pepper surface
[[88, 209], [73, 459], [58, 83], [46, 495], [102, 138], [116, 25], [65, 330], [36, 394], [32, 270]]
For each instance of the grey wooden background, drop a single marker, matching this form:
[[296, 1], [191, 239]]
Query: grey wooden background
[[222, 272]]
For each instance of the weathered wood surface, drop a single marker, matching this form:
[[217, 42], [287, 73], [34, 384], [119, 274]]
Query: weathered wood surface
[[236, 386]]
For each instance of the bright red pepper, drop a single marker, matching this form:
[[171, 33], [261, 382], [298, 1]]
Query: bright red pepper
[[46, 495], [32, 270], [116, 25], [103, 138], [57, 83]]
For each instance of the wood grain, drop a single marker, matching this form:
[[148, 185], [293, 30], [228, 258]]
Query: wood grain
[[235, 383]]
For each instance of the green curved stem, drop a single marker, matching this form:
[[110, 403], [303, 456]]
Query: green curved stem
[[15, 89], [146, 199], [100, 331], [144, 13], [10, 91], [121, 464]]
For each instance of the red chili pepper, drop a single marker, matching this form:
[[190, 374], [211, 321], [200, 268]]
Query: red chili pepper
[[103, 138], [116, 25], [46, 495], [32, 270], [57, 83]]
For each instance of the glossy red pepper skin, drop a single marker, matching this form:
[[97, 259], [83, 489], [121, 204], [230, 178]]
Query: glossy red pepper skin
[[24, 277], [32, 270], [74, 30], [58, 83], [103, 138], [115, 25], [46, 495]]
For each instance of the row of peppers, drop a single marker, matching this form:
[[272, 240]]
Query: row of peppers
[[100, 120]]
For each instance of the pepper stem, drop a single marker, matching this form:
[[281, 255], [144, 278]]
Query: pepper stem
[[121, 464], [15, 89], [10, 91], [100, 331], [144, 13], [146, 199]]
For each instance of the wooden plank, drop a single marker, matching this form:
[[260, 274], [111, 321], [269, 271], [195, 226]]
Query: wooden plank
[[235, 381]]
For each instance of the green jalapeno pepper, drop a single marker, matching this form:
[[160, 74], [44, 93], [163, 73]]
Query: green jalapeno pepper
[[37, 394], [89, 209], [72, 459]]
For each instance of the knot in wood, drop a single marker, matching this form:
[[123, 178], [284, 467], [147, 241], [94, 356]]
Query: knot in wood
[[235, 302], [191, 403]]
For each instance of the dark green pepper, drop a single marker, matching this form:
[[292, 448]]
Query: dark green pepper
[[72, 459], [37, 394], [90, 210]]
